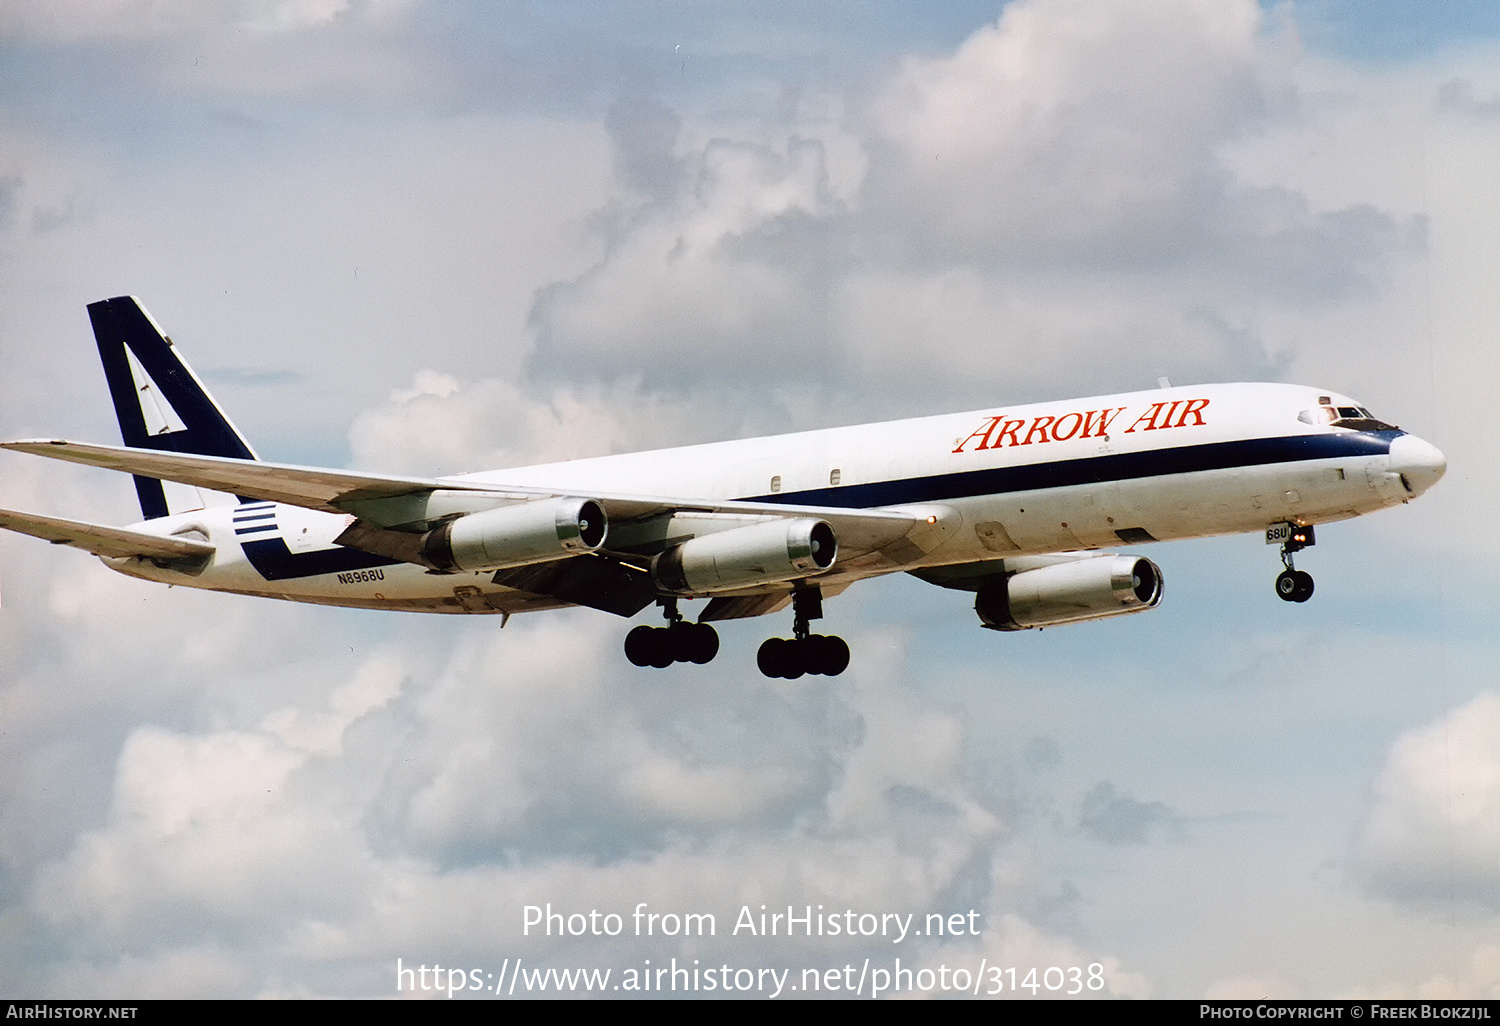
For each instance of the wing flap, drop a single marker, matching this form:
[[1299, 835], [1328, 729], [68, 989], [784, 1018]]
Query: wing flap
[[115, 542], [585, 581], [739, 607]]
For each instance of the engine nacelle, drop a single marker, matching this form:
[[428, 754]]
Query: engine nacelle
[[778, 550], [527, 532], [1090, 588]]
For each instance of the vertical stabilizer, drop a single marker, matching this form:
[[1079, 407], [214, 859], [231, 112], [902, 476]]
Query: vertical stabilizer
[[159, 401]]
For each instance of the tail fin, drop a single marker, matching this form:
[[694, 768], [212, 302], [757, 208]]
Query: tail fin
[[159, 401]]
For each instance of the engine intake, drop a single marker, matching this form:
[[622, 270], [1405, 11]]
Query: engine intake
[[527, 532], [1081, 589], [778, 550]]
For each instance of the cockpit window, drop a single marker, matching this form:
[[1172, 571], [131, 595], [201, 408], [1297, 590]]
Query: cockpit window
[[1354, 418]]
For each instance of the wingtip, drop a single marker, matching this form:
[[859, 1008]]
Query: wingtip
[[27, 444]]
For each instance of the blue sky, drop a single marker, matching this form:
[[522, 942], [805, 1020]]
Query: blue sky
[[424, 238], [1381, 30]]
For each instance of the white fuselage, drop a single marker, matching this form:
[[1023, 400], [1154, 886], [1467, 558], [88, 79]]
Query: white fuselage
[[1043, 478]]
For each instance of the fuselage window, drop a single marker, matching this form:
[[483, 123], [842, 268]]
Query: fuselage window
[[776, 483], [834, 476]]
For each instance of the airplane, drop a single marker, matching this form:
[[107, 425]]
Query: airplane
[[1017, 504]]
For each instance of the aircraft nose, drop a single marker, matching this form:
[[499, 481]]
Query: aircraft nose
[[1419, 463]]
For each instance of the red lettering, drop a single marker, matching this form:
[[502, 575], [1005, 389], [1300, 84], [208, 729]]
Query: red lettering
[[994, 432], [1040, 424], [1105, 416], [983, 434], [1194, 407], [1008, 429], [1149, 417], [1057, 435]]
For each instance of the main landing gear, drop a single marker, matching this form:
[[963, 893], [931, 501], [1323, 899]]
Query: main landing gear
[[1293, 585], [684, 642], [804, 652], [678, 642]]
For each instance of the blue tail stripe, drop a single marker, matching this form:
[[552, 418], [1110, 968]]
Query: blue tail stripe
[[120, 323], [275, 562]]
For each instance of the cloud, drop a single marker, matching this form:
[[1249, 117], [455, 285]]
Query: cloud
[[397, 819], [10, 188], [727, 276], [443, 425], [1112, 817], [1062, 970], [1476, 978], [498, 770], [1480, 978], [1056, 185], [1432, 836], [199, 971], [1086, 137], [145, 19], [195, 821], [1037, 200], [1069, 126]]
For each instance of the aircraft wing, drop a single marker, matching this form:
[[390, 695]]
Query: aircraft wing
[[273, 482], [893, 536], [102, 541]]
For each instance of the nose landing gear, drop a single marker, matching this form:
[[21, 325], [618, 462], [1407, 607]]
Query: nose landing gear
[[1292, 585]]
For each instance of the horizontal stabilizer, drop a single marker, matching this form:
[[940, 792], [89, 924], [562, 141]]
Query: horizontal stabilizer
[[115, 542]]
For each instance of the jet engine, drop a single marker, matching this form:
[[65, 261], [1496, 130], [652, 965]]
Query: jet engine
[[527, 532], [777, 550], [1090, 588]]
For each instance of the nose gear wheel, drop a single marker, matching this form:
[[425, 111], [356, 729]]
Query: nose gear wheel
[[1293, 585]]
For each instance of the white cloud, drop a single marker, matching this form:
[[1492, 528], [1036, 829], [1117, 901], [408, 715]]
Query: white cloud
[[1433, 834], [1071, 123], [1054, 195], [443, 425], [200, 971], [1474, 974], [209, 825], [420, 823], [729, 267], [146, 19], [1251, 988], [1013, 334], [1480, 978], [1063, 970]]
